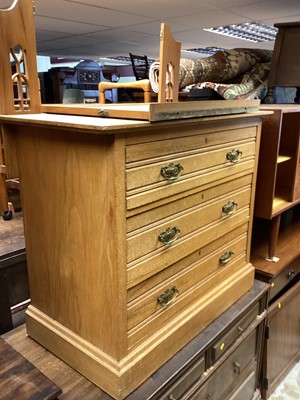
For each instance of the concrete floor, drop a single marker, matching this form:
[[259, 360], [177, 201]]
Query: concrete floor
[[289, 388]]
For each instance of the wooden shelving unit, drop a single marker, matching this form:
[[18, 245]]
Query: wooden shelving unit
[[278, 182], [275, 250]]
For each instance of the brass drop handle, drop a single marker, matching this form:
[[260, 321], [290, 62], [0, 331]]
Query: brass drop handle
[[168, 297], [172, 171], [234, 155], [291, 273], [226, 257], [237, 368], [229, 208], [169, 236]]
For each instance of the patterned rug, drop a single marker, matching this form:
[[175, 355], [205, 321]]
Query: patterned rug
[[233, 74]]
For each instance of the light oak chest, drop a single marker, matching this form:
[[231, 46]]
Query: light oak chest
[[137, 235]]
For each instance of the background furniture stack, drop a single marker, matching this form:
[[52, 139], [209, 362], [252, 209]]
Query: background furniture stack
[[146, 240], [276, 237]]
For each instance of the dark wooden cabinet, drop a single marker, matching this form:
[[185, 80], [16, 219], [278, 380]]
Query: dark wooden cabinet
[[223, 362], [283, 343], [234, 371]]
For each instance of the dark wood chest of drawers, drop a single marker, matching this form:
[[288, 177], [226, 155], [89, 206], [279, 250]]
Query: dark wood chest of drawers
[[223, 362]]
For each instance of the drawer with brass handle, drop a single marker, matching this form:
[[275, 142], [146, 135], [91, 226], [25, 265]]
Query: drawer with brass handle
[[183, 166], [184, 202], [166, 255], [202, 262], [173, 290], [154, 195], [147, 314], [170, 231]]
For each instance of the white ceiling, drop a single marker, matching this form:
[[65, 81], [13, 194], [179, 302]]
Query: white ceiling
[[93, 29]]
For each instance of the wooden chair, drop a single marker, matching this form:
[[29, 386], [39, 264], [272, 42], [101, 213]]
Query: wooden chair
[[19, 83], [140, 66], [169, 56], [143, 84]]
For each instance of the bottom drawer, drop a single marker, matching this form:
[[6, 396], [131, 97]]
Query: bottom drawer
[[247, 389], [186, 380], [228, 375]]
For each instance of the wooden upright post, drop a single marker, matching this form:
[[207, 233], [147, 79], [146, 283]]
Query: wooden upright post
[[169, 59], [19, 83]]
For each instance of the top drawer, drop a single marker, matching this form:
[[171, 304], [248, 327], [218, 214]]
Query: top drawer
[[285, 276], [183, 169], [149, 150]]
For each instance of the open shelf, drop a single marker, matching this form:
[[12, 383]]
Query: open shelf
[[278, 178]]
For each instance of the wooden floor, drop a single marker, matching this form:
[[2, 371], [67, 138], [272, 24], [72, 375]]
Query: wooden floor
[[75, 386], [20, 380]]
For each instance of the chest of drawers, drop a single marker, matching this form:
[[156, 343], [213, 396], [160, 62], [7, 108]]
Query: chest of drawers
[[137, 235]]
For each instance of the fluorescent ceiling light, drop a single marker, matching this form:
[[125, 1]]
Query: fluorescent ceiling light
[[251, 31], [205, 50]]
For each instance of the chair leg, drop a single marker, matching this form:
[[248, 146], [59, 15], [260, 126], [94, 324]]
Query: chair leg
[[7, 213]]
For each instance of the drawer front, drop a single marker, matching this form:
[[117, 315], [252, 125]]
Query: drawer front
[[184, 202], [165, 256], [181, 225], [229, 374], [180, 303], [161, 296], [157, 179], [284, 278], [169, 171], [229, 338], [186, 380], [234, 240], [164, 191], [247, 389], [170, 144]]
